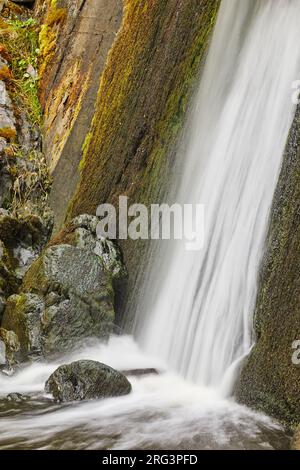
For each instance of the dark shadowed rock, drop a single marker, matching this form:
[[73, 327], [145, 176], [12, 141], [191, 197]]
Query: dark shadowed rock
[[140, 372], [16, 397], [86, 380]]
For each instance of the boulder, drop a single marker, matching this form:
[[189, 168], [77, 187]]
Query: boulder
[[82, 233], [67, 297], [86, 380]]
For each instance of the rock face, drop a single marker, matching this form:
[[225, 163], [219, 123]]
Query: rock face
[[86, 380], [21, 240], [270, 380], [75, 38], [7, 119], [67, 294], [142, 100]]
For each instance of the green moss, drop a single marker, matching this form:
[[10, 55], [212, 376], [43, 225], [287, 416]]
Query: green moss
[[19, 40], [49, 34], [142, 100]]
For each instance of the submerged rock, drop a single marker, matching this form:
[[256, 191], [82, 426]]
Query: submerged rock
[[16, 397], [82, 233], [86, 380]]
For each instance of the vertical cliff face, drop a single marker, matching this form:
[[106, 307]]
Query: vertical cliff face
[[270, 381], [143, 95], [75, 38]]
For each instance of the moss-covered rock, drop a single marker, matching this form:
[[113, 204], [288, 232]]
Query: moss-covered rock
[[66, 298], [270, 380]]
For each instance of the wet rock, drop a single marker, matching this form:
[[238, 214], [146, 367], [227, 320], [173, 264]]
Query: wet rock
[[7, 119], [140, 372], [16, 397], [67, 297], [86, 380], [85, 236]]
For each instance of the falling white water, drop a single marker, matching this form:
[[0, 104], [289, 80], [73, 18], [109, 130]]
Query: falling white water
[[200, 304]]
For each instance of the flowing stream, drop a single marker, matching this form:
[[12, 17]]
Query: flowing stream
[[195, 316]]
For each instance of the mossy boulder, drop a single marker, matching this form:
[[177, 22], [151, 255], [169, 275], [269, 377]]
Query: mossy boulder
[[86, 380], [67, 297], [270, 379]]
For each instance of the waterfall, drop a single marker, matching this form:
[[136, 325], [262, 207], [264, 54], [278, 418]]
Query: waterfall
[[198, 306]]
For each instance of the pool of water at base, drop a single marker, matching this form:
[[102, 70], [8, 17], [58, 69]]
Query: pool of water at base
[[163, 412]]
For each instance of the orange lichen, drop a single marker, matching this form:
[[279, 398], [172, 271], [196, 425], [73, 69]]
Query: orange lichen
[[5, 73], [8, 133]]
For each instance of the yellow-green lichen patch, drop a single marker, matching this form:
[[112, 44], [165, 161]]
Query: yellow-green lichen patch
[[48, 35]]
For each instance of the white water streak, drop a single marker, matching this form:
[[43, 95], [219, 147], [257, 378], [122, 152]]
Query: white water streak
[[200, 316]]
